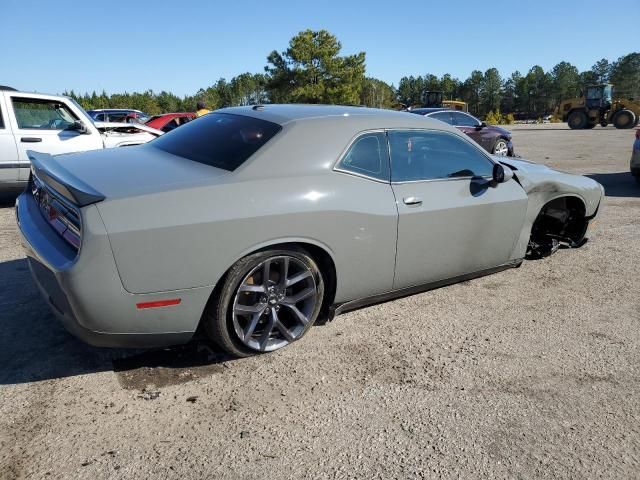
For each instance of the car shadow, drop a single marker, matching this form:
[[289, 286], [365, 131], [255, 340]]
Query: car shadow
[[34, 346], [621, 184]]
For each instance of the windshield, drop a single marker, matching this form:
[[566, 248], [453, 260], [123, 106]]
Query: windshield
[[82, 110], [221, 140]]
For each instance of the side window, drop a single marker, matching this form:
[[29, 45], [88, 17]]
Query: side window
[[117, 117], [368, 156], [463, 120], [434, 155], [1, 120], [442, 116], [32, 113]]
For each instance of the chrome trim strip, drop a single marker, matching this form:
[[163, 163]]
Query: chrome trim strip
[[349, 172], [15, 165], [486, 177]]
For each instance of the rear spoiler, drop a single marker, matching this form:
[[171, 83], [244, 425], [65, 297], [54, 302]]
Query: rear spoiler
[[48, 170]]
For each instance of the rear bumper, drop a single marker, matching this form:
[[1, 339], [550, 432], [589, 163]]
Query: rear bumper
[[86, 294], [60, 306]]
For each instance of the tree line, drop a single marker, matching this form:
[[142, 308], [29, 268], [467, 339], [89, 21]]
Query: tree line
[[311, 70]]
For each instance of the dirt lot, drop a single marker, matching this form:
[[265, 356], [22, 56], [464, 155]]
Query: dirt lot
[[530, 373]]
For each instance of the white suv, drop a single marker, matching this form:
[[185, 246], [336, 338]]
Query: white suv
[[53, 124]]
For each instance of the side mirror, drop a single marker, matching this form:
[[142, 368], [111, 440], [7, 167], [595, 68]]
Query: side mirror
[[501, 173], [481, 126], [79, 127]]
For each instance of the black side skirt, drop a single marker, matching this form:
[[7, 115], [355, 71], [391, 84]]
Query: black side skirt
[[338, 308]]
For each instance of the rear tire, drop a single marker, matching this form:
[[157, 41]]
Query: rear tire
[[577, 120], [624, 119], [267, 300]]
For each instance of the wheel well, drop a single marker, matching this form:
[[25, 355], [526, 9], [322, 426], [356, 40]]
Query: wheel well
[[328, 270], [562, 218], [565, 116], [325, 264]]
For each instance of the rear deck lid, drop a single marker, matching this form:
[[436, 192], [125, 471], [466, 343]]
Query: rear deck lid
[[89, 177]]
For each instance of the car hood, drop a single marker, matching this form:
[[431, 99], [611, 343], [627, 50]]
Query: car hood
[[536, 178], [132, 128], [129, 171]]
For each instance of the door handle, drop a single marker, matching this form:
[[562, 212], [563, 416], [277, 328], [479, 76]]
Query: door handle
[[30, 139], [412, 201]]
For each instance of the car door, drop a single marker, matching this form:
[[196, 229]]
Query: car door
[[9, 165], [43, 125], [472, 127], [373, 230], [452, 219]]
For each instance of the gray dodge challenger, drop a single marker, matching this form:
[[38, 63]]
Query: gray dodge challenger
[[251, 224]]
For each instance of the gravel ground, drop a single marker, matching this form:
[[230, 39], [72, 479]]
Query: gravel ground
[[529, 373]]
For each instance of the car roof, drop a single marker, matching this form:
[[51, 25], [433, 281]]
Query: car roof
[[376, 117]]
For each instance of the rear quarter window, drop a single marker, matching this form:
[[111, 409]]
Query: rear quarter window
[[221, 140]]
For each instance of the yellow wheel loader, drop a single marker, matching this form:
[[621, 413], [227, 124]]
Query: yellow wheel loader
[[597, 106]]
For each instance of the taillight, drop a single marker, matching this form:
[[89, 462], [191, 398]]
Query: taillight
[[63, 217]]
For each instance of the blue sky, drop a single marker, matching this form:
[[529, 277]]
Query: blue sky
[[180, 46]]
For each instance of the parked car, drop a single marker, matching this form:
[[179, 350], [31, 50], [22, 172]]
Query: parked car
[[119, 115], [635, 157], [169, 121], [493, 139], [53, 124], [125, 135], [255, 222]]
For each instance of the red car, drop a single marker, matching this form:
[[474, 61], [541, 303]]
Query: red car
[[169, 121]]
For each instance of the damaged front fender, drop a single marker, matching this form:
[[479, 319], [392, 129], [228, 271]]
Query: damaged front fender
[[566, 202]]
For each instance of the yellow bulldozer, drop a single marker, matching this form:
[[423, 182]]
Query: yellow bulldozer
[[597, 106]]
